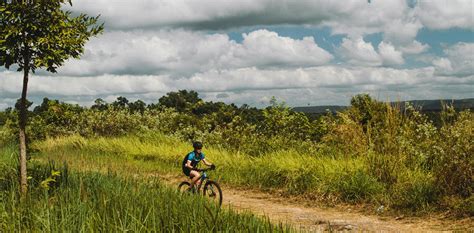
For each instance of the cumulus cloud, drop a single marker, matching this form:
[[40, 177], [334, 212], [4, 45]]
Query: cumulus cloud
[[212, 14], [11, 84], [401, 31], [414, 47], [444, 14], [266, 48], [389, 55], [250, 85], [459, 60], [443, 65], [398, 20], [395, 19], [152, 47], [358, 52], [345, 17], [182, 52]]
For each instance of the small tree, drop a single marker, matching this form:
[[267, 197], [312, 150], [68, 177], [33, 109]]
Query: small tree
[[181, 100], [121, 102], [38, 34]]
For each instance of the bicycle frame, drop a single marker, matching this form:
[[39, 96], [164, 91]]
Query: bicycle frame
[[203, 179], [209, 187]]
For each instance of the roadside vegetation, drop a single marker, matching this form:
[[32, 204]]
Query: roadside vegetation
[[61, 200], [371, 153]]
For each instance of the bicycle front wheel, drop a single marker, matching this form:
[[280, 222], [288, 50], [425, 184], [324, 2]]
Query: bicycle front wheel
[[213, 191], [184, 186]]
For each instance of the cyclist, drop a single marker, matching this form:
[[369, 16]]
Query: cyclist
[[191, 161]]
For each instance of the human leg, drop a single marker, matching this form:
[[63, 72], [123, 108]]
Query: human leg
[[195, 178]]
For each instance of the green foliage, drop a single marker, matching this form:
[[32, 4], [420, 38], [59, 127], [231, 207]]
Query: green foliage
[[120, 103], [358, 185], [6, 135], [455, 156], [415, 190], [42, 34], [372, 152], [181, 100], [54, 118], [109, 203]]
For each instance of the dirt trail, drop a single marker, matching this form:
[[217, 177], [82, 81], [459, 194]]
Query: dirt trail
[[315, 219]]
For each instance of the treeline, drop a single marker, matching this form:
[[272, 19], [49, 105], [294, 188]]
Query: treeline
[[417, 162], [181, 113]]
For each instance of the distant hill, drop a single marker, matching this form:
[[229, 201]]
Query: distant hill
[[424, 105]]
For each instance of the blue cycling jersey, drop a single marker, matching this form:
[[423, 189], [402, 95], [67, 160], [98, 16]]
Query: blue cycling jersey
[[195, 159]]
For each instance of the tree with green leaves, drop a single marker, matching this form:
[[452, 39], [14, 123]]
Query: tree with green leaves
[[181, 100], [100, 105], [121, 102], [137, 106], [39, 34]]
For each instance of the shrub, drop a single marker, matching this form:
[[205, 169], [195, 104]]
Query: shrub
[[455, 166], [414, 190]]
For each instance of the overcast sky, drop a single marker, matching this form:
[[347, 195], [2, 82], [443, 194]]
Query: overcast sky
[[303, 52]]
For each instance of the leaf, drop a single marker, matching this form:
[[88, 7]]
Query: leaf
[[55, 173], [45, 183]]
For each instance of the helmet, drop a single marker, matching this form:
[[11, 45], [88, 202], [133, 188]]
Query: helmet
[[197, 145]]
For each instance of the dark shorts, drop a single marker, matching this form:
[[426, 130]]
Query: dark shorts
[[186, 171]]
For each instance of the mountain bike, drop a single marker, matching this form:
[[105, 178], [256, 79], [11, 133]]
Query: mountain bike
[[211, 189]]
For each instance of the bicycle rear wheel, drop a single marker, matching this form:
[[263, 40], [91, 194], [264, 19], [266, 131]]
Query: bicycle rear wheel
[[213, 191]]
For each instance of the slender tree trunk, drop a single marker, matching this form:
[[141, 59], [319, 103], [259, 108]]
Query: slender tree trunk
[[23, 119]]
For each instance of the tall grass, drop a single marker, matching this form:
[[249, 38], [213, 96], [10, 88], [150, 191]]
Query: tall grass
[[94, 202], [322, 177], [373, 152], [317, 176]]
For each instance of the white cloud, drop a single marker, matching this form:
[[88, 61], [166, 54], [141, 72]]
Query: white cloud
[[443, 65], [414, 47], [358, 52], [390, 55], [250, 85], [11, 85], [264, 48], [213, 14], [398, 22], [401, 31], [459, 60], [444, 14], [354, 18], [179, 52], [152, 47]]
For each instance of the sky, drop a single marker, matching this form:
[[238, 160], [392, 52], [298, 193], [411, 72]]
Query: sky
[[303, 52]]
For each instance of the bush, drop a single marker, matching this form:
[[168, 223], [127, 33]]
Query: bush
[[455, 153], [358, 186], [414, 190]]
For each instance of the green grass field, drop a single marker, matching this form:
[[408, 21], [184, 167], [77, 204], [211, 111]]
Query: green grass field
[[332, 180], [68, 200]]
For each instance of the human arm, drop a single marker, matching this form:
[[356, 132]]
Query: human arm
[[207, 163], [188, 165]]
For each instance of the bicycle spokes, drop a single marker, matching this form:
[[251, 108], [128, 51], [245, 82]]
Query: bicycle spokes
[[213, 192]]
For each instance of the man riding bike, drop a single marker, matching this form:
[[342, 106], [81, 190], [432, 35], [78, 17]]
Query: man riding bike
[[190, 163]]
